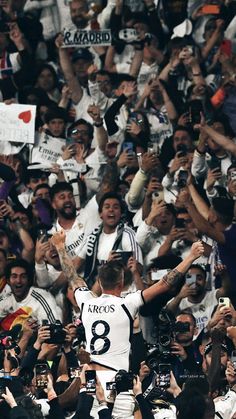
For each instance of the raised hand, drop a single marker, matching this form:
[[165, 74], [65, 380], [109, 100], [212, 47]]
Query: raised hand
[[58, 239]]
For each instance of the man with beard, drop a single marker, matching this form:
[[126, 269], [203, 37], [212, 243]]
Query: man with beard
[[63, 202], [196, 298]]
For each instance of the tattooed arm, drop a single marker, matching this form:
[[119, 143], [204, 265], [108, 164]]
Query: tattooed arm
[[58, 240], [173, 277]]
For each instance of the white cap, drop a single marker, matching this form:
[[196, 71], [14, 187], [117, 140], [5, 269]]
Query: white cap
[[183, 29]]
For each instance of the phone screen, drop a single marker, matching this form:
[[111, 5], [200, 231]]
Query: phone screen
[[111, 385], [191, 280], [74, 372], [90, 377], [41, 375], [164, 375]]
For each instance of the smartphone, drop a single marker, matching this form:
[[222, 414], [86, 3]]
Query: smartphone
[[195, 111], [153, 148], [191, 280], [129, 147], [214, 163], [183, 149], [233, 358], [41, 375], [124, 256], [157, 275], [111, 385], [164, 375], [2, 390], [179, 223], [210, 9], [182, 179], [226, 47], [225, 301], [90, 378], [43, 233], [74, 372]]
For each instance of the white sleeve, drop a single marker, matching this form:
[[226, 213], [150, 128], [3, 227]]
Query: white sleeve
[[136, 194], [104, 17], [83, 294], [133, 301], [226, 405], [199, 167], [144, 236], [42, 277]]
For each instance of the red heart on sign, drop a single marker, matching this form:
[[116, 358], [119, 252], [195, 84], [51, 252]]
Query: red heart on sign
[[25, 116]]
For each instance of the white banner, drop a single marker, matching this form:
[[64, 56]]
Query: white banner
[[17, 123], [81, 38], [48, 151]]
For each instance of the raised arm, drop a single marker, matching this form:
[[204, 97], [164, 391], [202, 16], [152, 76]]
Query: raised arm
[[173, 277], [100, 132], [58, 240], [66, 66], [220, 139]]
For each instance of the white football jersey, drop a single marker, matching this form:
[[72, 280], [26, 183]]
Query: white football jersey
[[108, 323]]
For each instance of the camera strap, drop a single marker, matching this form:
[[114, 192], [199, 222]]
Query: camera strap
[[151, 385]]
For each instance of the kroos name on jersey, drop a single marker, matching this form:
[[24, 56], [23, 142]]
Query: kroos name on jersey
[[101, 309]]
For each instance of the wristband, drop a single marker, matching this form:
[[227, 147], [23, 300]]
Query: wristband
[[196, 74], [98, 124]]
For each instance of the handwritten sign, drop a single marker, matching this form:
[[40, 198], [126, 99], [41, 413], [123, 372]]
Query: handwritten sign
[[48, 151], [82, 38], [17, 123]]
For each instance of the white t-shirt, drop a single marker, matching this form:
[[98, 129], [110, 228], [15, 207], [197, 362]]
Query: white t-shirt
[[202, 311], [108, 326], [106, 242], [39, 303], [75, 235]]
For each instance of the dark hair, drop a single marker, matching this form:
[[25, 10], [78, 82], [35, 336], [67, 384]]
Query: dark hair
[[80, 121], [190, 404], [187, 312], [51, 69], [199, 383], [200, 267], [42, 185], [129, 171], [36, 174], [110, 274], [109, 195], [183, 128], [59, 187], [20, 263], [55, 112]]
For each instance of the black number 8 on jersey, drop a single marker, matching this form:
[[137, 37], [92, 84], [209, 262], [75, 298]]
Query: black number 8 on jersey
[[103, 336]]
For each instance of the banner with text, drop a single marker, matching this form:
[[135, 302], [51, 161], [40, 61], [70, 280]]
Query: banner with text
[[49, 149], [17, 123], [82, 38]]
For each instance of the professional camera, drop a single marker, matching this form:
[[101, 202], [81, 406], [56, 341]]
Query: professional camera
[[167, 327], [57, 334], [124, 381]]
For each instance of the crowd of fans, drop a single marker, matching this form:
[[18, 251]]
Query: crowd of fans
[[117, 220]]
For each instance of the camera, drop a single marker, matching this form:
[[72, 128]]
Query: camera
[[57, 334], [124, 381], [167, 327]]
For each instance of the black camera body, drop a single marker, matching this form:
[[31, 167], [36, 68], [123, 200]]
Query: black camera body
[[124, 381], [57, 334], [167, 328]]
